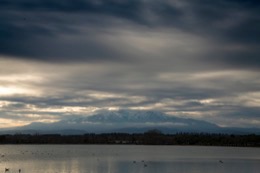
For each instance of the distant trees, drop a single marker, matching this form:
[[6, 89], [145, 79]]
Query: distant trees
[[151, 137]]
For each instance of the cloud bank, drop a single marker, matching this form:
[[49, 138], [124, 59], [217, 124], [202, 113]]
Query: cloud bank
[[187, 58]]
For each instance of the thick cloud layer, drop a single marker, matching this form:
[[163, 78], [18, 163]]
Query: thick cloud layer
[[78, 30], [188, 58]]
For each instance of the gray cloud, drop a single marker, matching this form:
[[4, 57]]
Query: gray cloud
[[188, 58], [50, 30], [70, 31]]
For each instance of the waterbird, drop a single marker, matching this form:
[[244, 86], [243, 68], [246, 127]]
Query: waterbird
[[220, 161], [19, 170], [6, 169]]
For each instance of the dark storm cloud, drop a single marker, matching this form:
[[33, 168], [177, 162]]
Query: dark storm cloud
[[239, 116], [243, 112], [123, 8], [236, 23], [41, 43], [241, 59], [52, 30], [35, 29]]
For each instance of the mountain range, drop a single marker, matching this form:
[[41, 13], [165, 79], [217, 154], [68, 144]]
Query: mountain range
[[127, 121]]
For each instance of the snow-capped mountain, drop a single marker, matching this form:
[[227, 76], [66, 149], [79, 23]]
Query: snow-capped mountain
[[142, 118], [126, 116], [130, 121], [125, 121]]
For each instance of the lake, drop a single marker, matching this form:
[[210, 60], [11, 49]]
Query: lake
[[128, 159]]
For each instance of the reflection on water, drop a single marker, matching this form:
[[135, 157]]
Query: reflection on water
[[128, 159]]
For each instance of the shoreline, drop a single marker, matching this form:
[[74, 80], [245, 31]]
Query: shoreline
[[180, 139]]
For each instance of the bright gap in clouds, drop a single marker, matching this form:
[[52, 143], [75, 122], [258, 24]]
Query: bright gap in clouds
[[11, 90], [9, 123]]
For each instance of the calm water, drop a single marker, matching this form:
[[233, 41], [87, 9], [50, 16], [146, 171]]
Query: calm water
[[128, 159]]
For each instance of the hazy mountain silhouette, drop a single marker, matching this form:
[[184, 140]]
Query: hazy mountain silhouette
[[129, 121]]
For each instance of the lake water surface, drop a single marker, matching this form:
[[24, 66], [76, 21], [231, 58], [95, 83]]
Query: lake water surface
[[128, 159]]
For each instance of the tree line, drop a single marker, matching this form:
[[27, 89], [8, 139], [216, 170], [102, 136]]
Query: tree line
[[152, 137]]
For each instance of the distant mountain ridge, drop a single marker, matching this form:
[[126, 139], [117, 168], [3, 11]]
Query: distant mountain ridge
[[128, 121]]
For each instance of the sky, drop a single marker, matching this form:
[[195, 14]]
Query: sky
[[191, 59]]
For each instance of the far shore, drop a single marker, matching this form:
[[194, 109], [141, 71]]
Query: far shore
[[149, 138]]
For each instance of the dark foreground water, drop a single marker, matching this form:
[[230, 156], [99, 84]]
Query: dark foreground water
[[128, 159]]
